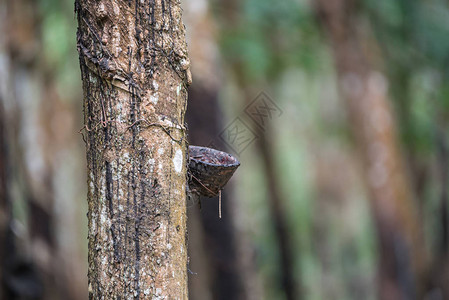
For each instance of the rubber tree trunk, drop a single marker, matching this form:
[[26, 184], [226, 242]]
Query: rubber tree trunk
[[135, 71]]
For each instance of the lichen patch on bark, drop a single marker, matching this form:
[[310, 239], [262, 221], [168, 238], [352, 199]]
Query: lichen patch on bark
[[178, 161]]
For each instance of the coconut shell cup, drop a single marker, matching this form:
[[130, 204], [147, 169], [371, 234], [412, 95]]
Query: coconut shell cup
[[210, 170]]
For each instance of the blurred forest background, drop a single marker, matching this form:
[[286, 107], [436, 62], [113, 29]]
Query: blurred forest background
[[342, 192]]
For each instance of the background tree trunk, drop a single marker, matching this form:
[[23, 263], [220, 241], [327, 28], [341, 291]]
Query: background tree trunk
[[222, 270], [33, 262], [5, 205], [135, 72], [401, 248], [276, 201]]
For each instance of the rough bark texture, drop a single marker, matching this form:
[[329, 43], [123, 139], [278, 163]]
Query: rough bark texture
[[135, 71]]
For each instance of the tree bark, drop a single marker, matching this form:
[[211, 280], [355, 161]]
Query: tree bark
[[135, 72]]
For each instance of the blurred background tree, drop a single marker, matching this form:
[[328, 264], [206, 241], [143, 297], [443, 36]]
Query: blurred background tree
[[44, 251], [299, 221]]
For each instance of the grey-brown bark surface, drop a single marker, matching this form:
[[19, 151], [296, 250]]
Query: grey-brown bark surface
[[135, 71]]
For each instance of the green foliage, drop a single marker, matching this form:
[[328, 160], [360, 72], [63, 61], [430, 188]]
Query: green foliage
[[271, 37]]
